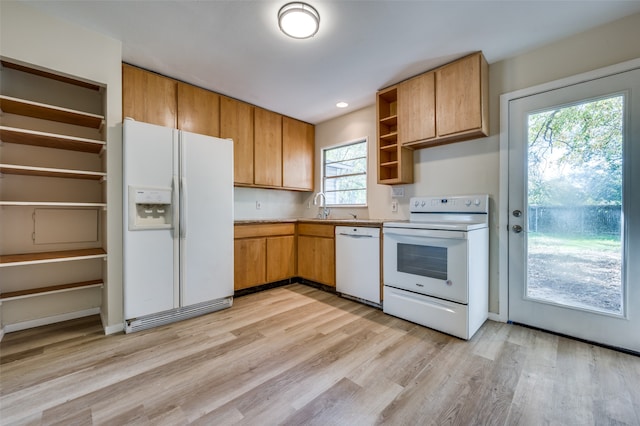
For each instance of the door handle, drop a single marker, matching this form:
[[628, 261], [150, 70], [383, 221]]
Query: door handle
[[517, 229], [183, 207]]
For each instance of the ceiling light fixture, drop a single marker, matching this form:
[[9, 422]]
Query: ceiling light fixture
[[342, 104], [298, 20]]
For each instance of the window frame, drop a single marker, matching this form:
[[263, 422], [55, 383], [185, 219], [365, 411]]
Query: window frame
[[323, 177]]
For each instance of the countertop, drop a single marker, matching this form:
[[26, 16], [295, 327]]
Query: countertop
[[338, 222]]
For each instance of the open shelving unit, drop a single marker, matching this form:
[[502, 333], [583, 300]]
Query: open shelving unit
[[395, 162], [31, 129]]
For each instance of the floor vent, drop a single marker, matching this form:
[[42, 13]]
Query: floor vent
[[174, 315]]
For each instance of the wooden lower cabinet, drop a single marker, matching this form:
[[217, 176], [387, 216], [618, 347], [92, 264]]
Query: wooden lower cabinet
[[316, 259], [266, 253], [281, 258], [316, 253], [250, 262], [263, 253]]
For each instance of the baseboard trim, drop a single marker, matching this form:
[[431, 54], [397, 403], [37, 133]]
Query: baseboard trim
[[113, 329], [496, 317], [49, 320], [263, 287], [110, 329], [319, 286]]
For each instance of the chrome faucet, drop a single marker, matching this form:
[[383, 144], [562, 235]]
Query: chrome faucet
[[324, 212]]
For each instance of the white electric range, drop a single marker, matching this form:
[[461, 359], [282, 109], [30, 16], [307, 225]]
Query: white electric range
[[436, 264]]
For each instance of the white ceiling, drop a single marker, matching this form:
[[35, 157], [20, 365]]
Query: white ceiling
[[236, 48]]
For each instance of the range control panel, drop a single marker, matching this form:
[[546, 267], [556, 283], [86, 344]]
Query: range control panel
[[478, 203]]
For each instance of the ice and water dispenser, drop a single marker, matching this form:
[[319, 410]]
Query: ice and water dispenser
[[150, 208]]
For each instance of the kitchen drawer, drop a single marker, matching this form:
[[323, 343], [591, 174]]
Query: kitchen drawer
[[316, 230], [441, 315], [264, 230]]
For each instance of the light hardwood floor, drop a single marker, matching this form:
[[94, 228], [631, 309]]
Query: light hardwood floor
[[295, 355]]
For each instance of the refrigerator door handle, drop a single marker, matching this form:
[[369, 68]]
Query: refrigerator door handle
[[176, 212], [183, 207]]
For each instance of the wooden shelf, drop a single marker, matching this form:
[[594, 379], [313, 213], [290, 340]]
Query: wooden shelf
[[50, 257], [389, 121], [389, 164], [390, 147], [51, 204], [389, 136], [49, 112], [50, 140], [23, 294], [50, 172], [50, 75]]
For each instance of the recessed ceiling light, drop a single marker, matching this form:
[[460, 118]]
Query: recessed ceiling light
[[342, 104], [298, 20]]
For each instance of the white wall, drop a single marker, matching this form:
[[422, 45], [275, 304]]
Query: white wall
[[473, 166], [30, 37], [274, 204]]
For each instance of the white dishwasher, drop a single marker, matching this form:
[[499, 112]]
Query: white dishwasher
[[358, 263]]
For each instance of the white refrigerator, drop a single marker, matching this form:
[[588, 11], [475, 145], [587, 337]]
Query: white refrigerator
[[178, 224]]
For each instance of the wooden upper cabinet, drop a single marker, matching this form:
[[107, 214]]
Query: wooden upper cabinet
[[462, 98], [268, 148], [198, 110], [298, 142], [236, 122], [148, 97], [417, 108]]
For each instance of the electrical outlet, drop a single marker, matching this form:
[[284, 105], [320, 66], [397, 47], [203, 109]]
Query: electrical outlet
[[394, 206], [397, 192], [258, 205], [309, 205]]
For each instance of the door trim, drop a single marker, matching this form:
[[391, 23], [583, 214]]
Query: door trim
[[503, 203]]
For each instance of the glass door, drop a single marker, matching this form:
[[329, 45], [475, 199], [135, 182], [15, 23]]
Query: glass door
[[574, 211]]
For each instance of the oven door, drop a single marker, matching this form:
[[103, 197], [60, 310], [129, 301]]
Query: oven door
[[426, 261]]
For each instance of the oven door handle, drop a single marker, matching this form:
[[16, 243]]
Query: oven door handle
[[426, 233]]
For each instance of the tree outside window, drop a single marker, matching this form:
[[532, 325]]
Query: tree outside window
[[344, 178]]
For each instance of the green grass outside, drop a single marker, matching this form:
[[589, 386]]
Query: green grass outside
[[601, 243]]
